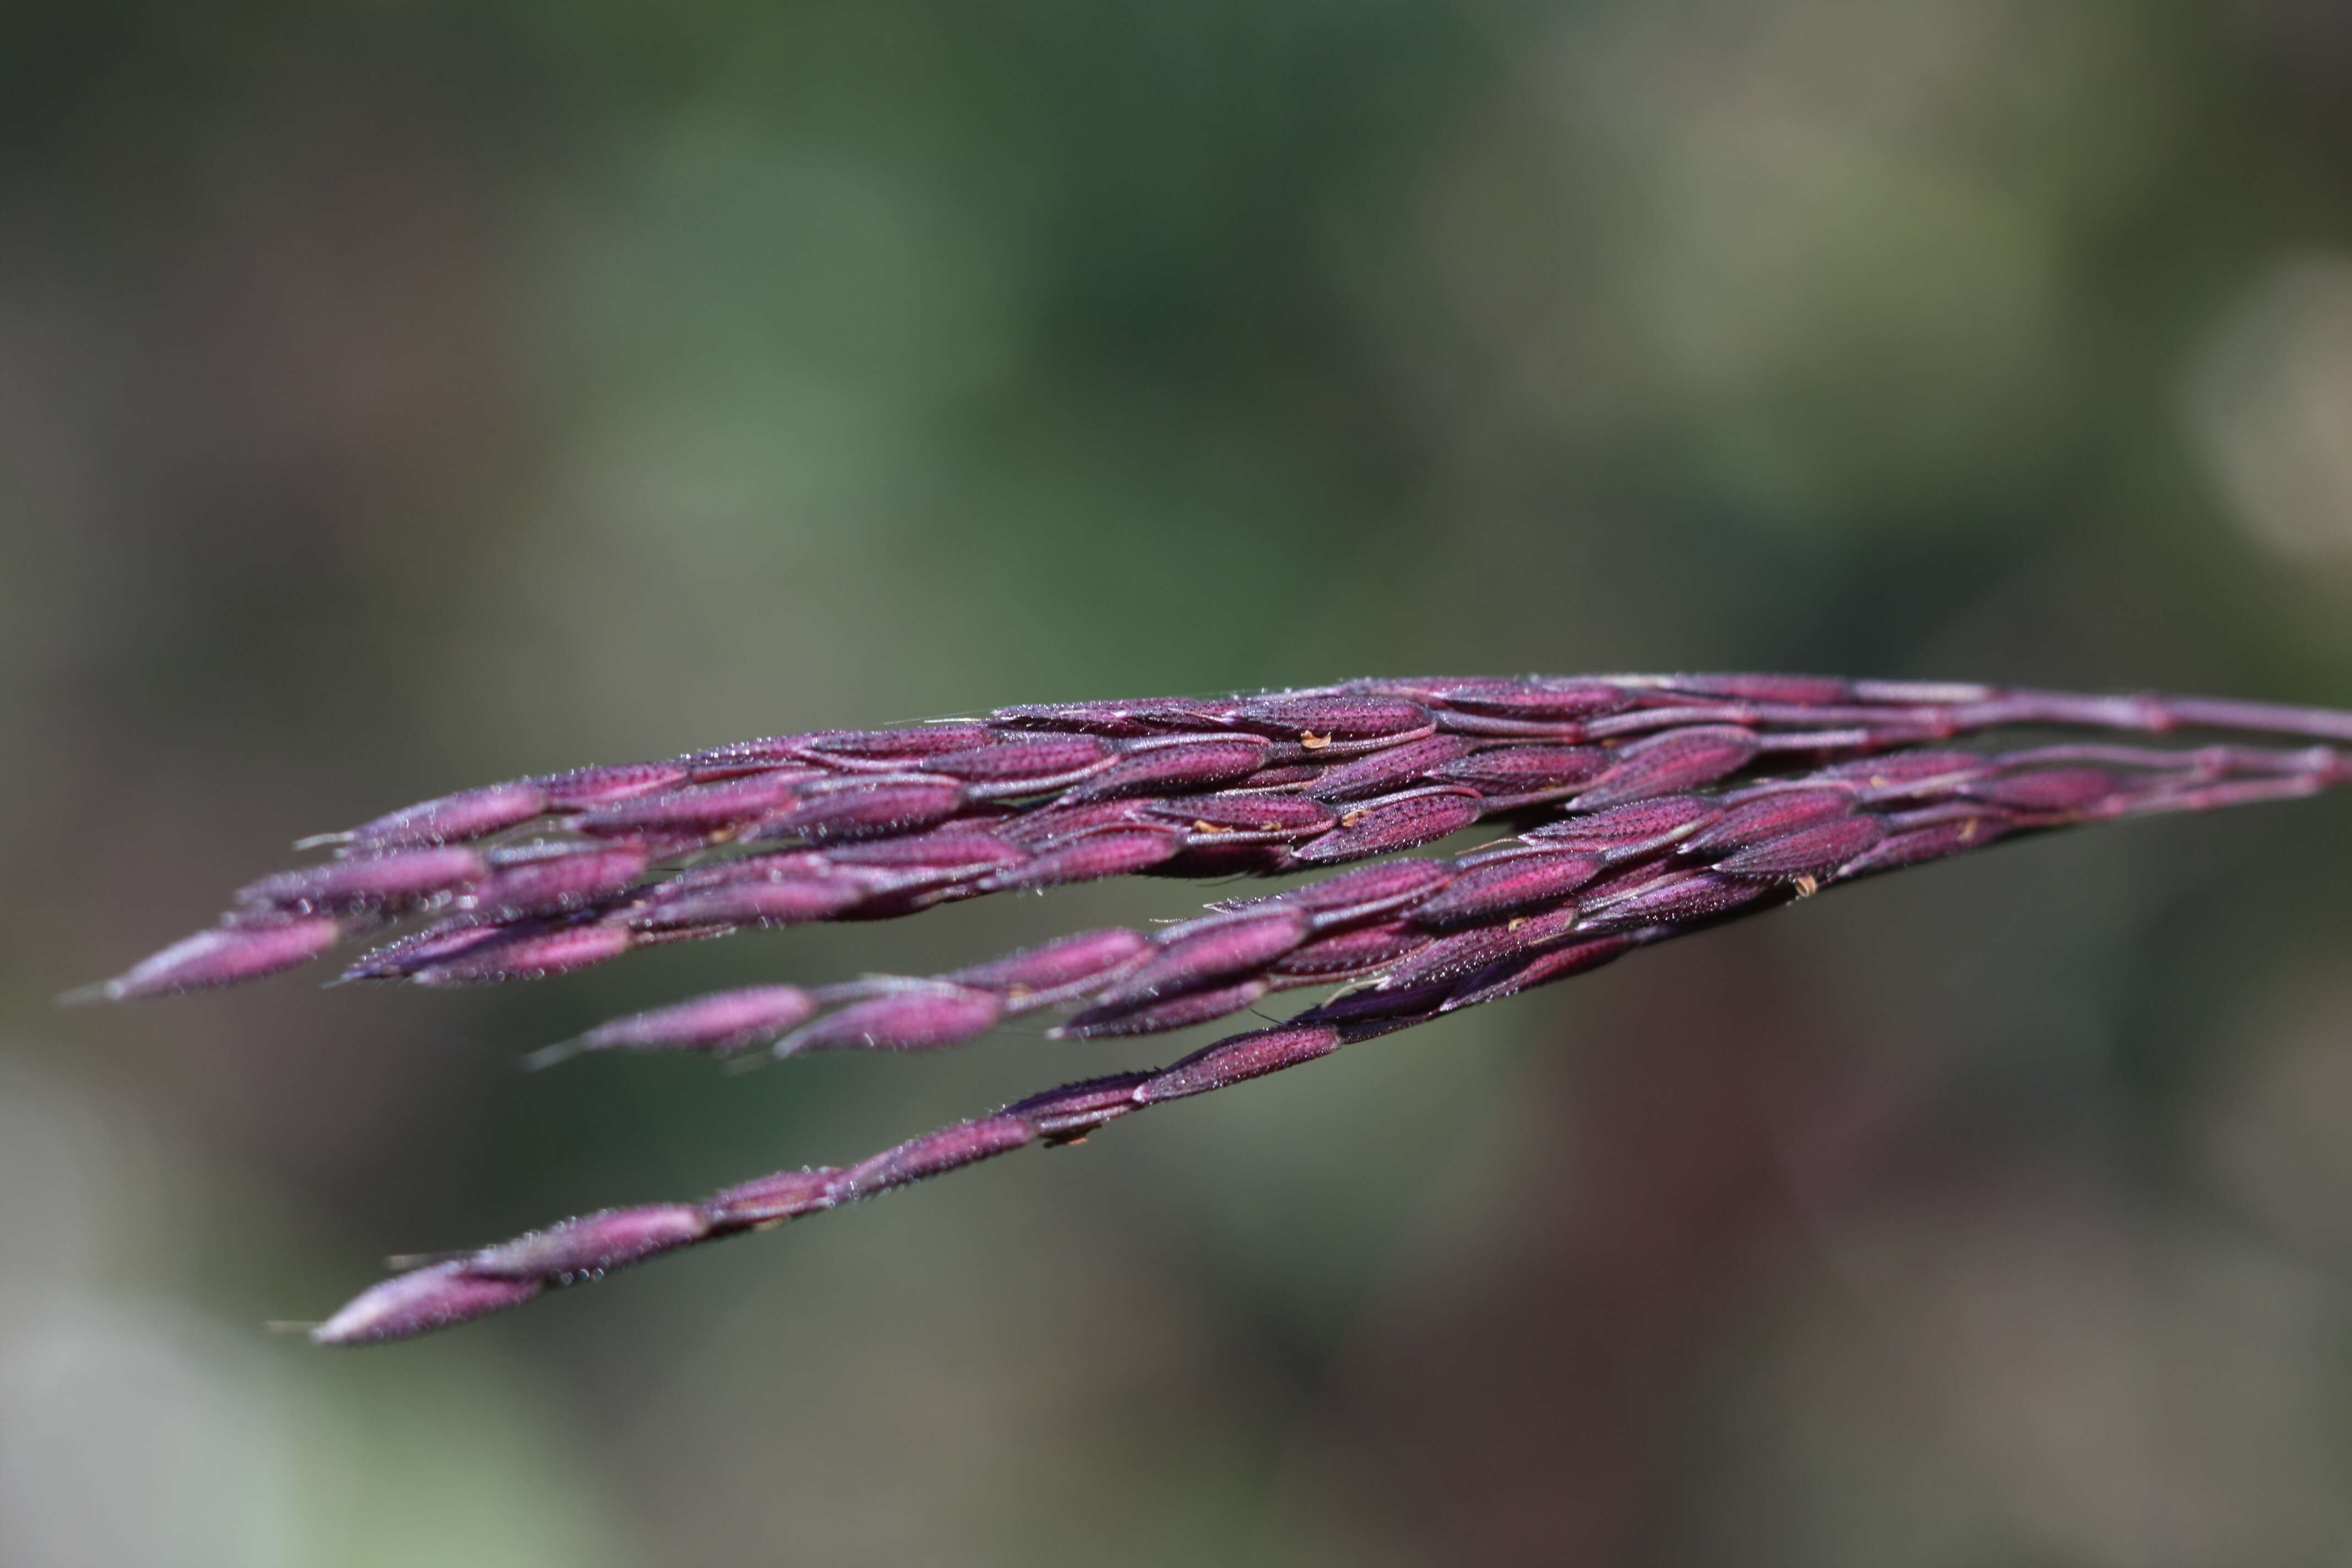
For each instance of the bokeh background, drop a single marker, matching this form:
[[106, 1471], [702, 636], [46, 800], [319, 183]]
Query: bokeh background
[[394, 396]]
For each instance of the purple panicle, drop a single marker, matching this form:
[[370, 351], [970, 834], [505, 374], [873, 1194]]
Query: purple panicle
[[1627, 811]]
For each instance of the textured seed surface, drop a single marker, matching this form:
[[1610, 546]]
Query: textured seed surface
[[1057, 964], [1264, 814], [470, 813], [915, 1020], [1191, 957], [1355, 951], [1388, 770], [1669, 763], [1517, 770], [1503, 886], [1821, 847], [1338, 717], [1359, 894], [1635, 829], [584, 788], [1175, 1013], [723, 1021], [369, 881], [1176, 766], [1770, 816], [528, 957], [1395, 822]]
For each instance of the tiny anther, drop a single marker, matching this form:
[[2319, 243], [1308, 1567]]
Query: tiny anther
[[1351, 818], [1808, 884], [1199, 826], [1313, 742], [1968, 830], [1515, 923]]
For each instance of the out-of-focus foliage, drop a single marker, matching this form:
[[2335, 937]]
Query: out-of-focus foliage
[[395, 395]]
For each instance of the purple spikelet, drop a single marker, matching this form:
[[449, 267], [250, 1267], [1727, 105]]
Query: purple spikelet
[[724, 1021], [922, 1018], [226, 955]]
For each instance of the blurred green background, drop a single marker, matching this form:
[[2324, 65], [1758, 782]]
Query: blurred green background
[[397, 396]]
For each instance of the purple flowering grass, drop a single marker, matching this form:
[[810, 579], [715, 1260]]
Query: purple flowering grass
[[1629, 809]]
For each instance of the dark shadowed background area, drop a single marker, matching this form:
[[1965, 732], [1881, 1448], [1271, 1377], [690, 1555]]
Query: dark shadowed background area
[[399, 396]]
